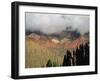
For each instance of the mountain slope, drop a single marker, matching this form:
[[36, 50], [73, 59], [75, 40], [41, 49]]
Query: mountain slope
[[37, 55], [76, 43]]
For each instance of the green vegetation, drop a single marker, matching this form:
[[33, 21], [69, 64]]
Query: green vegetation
[[51, 64]]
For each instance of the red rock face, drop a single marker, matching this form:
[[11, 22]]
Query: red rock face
[[76, 43], [64, 43]]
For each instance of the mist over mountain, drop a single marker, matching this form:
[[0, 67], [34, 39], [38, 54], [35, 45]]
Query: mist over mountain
[[54, 24], [71, 34]]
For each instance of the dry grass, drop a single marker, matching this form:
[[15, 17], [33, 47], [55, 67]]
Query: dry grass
[[37, 55]]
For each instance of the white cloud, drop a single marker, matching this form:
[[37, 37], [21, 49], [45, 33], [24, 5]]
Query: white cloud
[[55, 23]]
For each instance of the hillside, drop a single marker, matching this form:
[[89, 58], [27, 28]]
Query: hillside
[[54, 42], [76, 43], [37, 55], [41, 48]]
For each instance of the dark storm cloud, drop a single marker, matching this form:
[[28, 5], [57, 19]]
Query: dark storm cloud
[[55, 23]]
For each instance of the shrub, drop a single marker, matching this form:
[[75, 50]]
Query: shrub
[[49, 63], [55, 64]]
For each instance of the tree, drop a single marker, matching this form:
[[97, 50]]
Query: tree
[[86, 54], [67, 59], [74, 58], [55, 64], [77, 57], [80, 56], [49, 63]]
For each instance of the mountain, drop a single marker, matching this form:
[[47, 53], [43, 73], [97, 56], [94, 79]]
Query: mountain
[[67, 33], [50, 41], [86, 35], [76, 43], [70, 34], [53, 41], [39, 48]]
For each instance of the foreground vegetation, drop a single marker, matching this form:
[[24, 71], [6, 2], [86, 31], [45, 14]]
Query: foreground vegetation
[[38, 56], [78, 57]]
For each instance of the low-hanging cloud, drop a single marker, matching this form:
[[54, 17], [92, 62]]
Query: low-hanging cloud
[[55, 23]]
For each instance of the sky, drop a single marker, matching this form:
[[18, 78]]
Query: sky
[[55, 23]]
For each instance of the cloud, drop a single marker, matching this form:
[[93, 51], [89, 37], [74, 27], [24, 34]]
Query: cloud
[[55, 23]]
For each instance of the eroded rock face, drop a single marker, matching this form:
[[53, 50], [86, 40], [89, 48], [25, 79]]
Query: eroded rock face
[[34, 36], [55, 41], [76, 43]]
